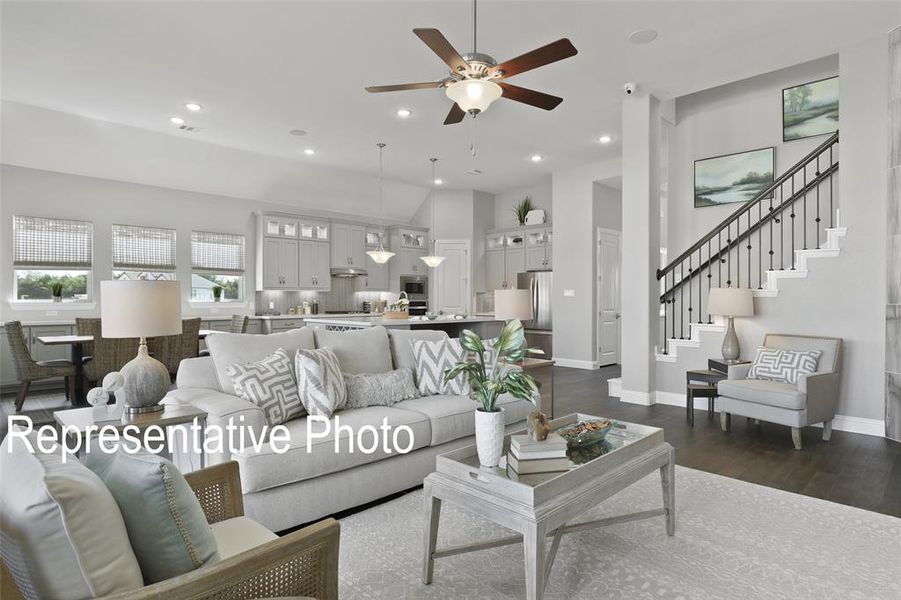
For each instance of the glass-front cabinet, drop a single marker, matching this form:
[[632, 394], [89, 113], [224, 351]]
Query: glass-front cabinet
[[317, 231], [495, 241], [280, 227], [538, 249]]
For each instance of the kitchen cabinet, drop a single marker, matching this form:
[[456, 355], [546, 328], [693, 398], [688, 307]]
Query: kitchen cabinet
[[538, 250], [377, 275], [312, 229], [314, 266], [505, 258], [280, 257], [348, 246], [280, 226], [495, 270], [410, 263]]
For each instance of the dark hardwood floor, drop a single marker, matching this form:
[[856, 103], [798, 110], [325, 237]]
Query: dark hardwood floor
[[853, 469]]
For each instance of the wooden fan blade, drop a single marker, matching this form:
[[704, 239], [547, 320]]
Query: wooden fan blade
[[530, 97], [539, 57], [374, 89], [440, 46], [455, 115]]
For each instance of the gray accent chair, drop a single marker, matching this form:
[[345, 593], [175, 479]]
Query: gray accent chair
[[814, 399]]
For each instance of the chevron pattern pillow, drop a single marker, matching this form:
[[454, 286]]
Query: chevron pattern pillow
[[786, 366], [269, 384], [433, 358], [320, 381]]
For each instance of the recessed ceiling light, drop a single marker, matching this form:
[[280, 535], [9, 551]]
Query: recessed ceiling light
[[439, 181], [403, 113], [193, 107], [536, 158], [309, 152], [297, 132], [642, 36], [605, 139], [176, 120]]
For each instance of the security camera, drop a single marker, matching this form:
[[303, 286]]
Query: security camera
[[630, 88]]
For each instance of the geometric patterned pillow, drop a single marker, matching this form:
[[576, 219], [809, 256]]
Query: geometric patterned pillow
[[269, 384], [786, 366], [433, 358], [320, 381]]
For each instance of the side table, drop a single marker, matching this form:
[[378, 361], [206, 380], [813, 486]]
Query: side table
[[702, 384]]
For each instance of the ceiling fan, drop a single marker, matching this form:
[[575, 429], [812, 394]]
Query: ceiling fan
[[476, 79]]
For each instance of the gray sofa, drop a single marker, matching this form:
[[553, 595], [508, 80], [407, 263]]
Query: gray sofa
[[813, 400], [286, 490]]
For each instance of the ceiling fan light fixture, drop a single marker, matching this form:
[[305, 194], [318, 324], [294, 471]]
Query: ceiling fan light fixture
[[474, 94]]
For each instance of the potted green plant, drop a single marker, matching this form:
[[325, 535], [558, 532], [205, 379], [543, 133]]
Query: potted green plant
[[489, 379], [522, 208], [56, 291], [217, 293]]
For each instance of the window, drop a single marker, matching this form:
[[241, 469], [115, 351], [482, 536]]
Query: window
[[47, 252], [217, 262], [143, 253]]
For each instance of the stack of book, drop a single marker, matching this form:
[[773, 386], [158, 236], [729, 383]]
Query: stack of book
[[532, 462]]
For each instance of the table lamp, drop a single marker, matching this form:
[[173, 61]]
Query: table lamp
[[731, 302], [141, 309], [513, 304]]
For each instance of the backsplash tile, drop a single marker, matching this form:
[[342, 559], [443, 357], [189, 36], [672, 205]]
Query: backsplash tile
[[342, 297]]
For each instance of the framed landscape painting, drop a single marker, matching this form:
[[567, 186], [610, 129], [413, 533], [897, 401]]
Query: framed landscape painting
[[733, 178], [810, 109]]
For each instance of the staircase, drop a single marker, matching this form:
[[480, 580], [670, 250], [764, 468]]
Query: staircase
[[771, 237]]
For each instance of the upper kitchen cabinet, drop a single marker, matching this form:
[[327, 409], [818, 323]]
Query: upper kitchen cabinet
[[278, 226], [377, 275], [315, 264], [505, 257], [538, 249], [348, 246], [312, 229], [415, 239], [279, 264]]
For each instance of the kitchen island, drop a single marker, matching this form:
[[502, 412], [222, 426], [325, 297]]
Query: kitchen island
[[485, 326]]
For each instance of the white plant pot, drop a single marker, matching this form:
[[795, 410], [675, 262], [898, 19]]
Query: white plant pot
[[490, 436]]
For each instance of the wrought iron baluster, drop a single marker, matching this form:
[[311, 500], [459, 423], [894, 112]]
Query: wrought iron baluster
[[673, 301], [690, 295], [792, 215], [681, 301], [749, 249], [781, 221], [719, 259], [728, 256], [700, 282], [709, 271], [831, 177], [759, 244], [818, 201], [804, 202], [773, 195]]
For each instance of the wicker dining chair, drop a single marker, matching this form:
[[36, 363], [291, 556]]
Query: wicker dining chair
[[28, 369], [172, 349], [106, 354], [239, 324]]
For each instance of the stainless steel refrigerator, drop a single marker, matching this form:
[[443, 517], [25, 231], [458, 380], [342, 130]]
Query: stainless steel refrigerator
[[539, 330]]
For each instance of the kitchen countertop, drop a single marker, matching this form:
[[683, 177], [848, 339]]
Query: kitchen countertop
[[372, 321]]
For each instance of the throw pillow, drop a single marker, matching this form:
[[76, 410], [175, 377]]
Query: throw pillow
[[433, 359], [320, 382], [63, 535], [269, 384], [165, 523], [380, 389], [242, 348], [786, 366]]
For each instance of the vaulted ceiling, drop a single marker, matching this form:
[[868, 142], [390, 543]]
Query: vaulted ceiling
[[261, 69]]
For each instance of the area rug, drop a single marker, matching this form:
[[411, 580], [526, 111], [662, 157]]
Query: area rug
[[733, 540]]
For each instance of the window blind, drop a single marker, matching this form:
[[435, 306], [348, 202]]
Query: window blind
[[40, 242], [141, 248], [217, 252]]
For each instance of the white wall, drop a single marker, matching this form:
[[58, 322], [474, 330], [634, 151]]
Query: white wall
[[740, 116], [541, 195], [483, 220], [608, 207], [842, 297]]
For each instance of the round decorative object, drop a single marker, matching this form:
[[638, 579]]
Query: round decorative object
[[98, 397], [113, 381]]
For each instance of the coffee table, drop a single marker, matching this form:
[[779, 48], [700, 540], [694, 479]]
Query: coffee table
[[545, 509]]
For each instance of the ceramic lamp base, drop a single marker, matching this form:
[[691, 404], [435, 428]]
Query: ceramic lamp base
[[731, 348], [146, 382]]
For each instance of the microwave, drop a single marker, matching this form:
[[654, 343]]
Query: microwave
[[417, 288]]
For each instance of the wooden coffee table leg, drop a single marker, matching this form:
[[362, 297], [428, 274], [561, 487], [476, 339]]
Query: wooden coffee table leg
[[430, 532], [668, 483], [533, 540]]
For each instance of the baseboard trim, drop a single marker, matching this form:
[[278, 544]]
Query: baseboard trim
[[573, 363], [873, 427], [635, 397], [615, 387]]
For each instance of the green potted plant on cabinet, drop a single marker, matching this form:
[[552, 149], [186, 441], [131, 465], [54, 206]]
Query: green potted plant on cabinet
[[522, 208]]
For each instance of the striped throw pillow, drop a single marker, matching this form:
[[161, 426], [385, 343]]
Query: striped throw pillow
[[785, 366], [320, 381]]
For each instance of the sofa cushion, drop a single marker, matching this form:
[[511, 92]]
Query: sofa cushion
[[270, 384], [165, 523], [242, 348], [362, 351], [452, 417], [771, 393], [320, 383], [402, 351], [266, 468], [238, 534], [198, 373], [62, 527]]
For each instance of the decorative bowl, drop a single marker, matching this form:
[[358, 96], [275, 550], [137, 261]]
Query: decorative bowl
[[585, 440]]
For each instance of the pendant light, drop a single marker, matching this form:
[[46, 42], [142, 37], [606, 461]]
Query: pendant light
[[432, 260], [380, 255]]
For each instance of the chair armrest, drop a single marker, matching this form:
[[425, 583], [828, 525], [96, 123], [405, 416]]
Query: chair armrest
[[219, 490], [738, 371], [302, 563], [822, 390]]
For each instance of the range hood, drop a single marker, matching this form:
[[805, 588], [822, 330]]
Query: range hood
[[347, 272]]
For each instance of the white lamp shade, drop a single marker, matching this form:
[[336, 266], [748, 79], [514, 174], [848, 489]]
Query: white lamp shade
[[474, 94], [513, 304], [134, 309], [731, 302]]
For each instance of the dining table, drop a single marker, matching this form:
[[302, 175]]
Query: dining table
[[76, 344]]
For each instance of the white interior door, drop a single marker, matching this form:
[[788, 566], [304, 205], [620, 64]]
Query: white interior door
[[452, 277], [609, 243]]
